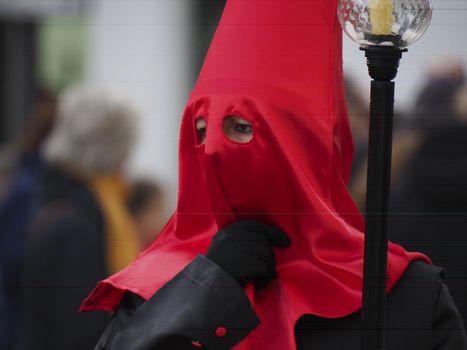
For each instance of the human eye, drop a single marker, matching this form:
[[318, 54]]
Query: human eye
[[200, 125], [243, 128], [202, 133], [237, 129]]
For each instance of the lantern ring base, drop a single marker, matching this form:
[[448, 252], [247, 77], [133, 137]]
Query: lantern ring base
[[382, 61]]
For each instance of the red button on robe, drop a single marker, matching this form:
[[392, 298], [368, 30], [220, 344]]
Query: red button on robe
[[221, 332]]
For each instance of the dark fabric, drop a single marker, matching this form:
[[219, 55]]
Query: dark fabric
[[429, 209], [201, 298], [16, 209], [64, 259], [438, 172], [244, 250], [420, 315], [434, 105]]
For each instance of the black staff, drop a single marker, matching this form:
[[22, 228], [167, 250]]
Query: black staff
[[383, 62]]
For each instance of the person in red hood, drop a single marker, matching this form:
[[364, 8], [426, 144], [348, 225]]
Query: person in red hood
[[265, 249]]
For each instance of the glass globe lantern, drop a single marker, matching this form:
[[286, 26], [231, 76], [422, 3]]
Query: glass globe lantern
[[397, 23]]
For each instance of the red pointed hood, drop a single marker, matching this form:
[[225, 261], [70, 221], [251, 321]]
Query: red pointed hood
[[277, 64]]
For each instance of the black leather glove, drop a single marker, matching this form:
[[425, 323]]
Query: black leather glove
[[244, 250]]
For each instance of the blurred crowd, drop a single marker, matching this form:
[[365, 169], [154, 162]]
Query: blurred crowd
[[70, 216]]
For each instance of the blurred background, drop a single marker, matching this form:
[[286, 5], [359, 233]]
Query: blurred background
[[135, 62]]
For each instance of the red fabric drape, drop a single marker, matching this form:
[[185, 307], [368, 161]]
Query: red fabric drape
[[277, 64]]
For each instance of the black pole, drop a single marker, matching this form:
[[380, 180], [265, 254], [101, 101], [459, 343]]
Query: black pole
[[382, 65]]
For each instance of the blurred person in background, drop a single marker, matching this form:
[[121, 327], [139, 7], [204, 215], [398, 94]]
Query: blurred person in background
[[146, 204], [357, 108], [460, 106], [82, 230], [429, 206], [433, 109], [17, 205], [434, 105], [7, 165]]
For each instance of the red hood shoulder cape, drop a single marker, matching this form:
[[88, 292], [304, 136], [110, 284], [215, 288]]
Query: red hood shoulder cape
[[277, 64]]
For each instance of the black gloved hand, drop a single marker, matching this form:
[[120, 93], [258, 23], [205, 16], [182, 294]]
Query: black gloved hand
[[244, 250]]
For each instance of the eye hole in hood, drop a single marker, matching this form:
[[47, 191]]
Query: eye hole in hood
[[237, 129], [200, 127]]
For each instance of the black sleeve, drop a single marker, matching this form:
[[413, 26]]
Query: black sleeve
[[448, 330], [202, 307]]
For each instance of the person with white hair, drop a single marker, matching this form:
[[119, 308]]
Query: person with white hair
[[81, 231]]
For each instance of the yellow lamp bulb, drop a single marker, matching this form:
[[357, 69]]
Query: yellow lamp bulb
[[381, 16]]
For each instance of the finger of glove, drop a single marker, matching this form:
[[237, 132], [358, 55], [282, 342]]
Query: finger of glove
[[248, 268], [266, 254], [259, 269], [262, 262], [259, 266], [236, 234], [237, 257], [262, 281], [275, 236], [248, 253], [230, 253]]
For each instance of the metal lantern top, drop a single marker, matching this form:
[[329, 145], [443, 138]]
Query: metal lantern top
[[397, 23]]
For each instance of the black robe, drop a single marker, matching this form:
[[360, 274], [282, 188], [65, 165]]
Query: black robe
[[64, 259], [429, 206], [203, 302]]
